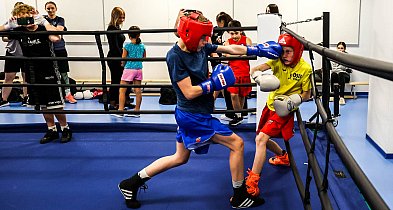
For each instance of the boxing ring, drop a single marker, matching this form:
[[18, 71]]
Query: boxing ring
[[84, 173]]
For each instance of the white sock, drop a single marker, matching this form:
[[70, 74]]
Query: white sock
[[237, 184], [62, 127], [53, 128], [143, 174], [239, 115]]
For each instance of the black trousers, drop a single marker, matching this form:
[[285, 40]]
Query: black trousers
[[341, 78]]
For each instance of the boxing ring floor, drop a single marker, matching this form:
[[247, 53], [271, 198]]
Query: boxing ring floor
[[84, 173]]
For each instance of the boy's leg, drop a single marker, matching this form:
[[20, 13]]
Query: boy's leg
[[281, 156], [9, 78], [259, 159], [236, 106], [260, 152], [236, 156], [25, 93], [24, 82], [274, 147], [129, 187], [241, 198], [68, 96]]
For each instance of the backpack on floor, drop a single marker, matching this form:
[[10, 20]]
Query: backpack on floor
[[167, 96], [15, 94]]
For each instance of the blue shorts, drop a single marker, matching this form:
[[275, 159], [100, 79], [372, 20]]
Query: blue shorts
[[195, 130]]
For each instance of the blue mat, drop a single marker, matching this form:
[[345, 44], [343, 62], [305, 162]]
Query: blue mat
[[84, 173]]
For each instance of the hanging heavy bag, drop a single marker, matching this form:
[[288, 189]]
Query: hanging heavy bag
[[168, 96]]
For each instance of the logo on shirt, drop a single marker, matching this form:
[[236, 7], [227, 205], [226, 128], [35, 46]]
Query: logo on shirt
[[33, 42], [295, 76]]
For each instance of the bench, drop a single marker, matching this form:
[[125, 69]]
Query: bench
[[353, 85]]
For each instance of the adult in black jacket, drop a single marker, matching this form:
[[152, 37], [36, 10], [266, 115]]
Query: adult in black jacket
[[115, 42]]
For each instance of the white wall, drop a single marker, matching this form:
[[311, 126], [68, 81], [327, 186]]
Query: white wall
[[157, 46], [380, 103]]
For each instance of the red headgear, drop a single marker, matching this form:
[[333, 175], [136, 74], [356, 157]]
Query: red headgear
[[286, 40], [191, 30]]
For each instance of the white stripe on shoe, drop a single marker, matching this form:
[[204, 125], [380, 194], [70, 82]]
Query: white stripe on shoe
[[246, 203], [127, 194]]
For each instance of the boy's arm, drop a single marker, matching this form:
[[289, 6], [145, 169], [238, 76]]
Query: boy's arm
[[179, 15], [306, 95], [10, 24], [261, 67], [270, 49], [266, 82]]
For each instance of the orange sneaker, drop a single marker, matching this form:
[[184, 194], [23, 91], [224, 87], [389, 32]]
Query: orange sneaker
[[252, 181], [70, 99], [281, 160]]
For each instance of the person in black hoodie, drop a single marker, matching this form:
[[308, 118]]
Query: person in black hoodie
[[26, 19]]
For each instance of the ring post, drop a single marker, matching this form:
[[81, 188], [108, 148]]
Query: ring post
[[268, 29], [103, 72]]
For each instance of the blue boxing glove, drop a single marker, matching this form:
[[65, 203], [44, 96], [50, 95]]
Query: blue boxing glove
[[270, 49], [222, 77]]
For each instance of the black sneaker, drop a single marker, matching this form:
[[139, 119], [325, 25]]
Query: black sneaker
[[4, 103], [66, 135], [25, 101], [236, 121], [241, 199], [129, 189], [49, 136]]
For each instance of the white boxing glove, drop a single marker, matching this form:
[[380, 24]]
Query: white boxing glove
[[11, 24], [266, 82], [40, 20], [87, 94], [285, 104], [78, 95]]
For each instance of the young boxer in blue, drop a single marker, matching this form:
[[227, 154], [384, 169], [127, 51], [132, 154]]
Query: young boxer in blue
[[197, 128]]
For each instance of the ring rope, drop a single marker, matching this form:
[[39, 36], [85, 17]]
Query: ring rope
[[66, 111], [117, 59], [6, 33]]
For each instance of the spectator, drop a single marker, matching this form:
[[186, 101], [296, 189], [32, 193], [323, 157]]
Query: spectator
[[40, 71], [340, 74], [132, 70], [12, 67], [59, 47], [241, 68]]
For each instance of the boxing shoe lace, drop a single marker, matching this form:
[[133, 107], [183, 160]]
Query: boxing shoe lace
[[252, 181], [282, 160]]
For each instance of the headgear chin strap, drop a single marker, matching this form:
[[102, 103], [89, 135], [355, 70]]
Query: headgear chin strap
[[286, 40], [191, 30]]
